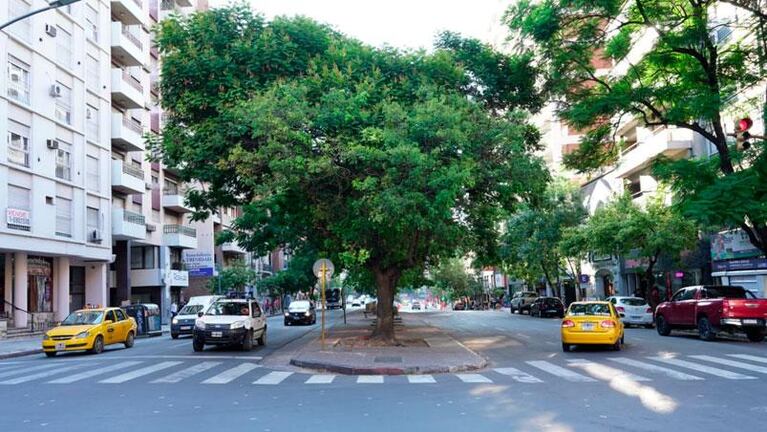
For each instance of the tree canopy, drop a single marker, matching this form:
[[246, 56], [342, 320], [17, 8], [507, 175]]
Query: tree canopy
[[383, 160]]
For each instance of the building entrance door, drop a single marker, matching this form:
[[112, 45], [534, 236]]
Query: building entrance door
[[76, 288]]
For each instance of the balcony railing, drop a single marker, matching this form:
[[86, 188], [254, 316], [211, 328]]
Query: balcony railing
[[131, 37], [132, 81], [132, 125], [180, 229], [135, 218], [173, 191], [133, 171]]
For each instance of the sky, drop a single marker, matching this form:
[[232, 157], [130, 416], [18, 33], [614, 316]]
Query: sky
[[398, 23]]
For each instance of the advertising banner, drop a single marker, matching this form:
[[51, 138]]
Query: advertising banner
[[199, 263], [732, 245]]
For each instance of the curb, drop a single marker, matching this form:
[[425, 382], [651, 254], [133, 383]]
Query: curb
[[21, 353], [413, 370]]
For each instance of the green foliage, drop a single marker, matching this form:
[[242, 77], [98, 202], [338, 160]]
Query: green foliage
[[299, 275], [451, 280], [233, 278]]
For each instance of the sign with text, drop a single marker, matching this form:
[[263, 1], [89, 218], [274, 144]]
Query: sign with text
[[199, 263], [17, 217], [733, 244]]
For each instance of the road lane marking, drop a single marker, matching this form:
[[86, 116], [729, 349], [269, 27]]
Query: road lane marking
[[420, 379], [273, 378], [474, 378], [231, 374], [500, 329], [32, 369], [38, 375], [370, 379], [702, 368], [523, 335], [608, 372], [733, 363], [560, 371], [320, 379], [194, 357], [93, 372], [5, 368], [671, 373], [517, 375], [140, 372], [186, 373], [749, 357]]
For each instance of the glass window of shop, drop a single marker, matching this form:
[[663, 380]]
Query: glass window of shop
[[40, 284], [143, 257]]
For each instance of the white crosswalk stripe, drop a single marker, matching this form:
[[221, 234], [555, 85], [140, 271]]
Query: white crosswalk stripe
[[749, 357], [604, 371], [474, 378], [273, 378], [702, 368], [39, 375], [30, 369], [370, 379], [94, 372], [561, 372], [231, 374], [671, 373], [186, 373], [128, 376], [733, 363], [420, 379], [517, 375], [320, 379]]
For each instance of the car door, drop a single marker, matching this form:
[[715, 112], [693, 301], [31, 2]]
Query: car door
[[123, 325], [111, 327], [682, 304], [259, 320]]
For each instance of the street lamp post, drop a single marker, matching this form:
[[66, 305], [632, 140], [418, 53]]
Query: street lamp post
[[52, 5]]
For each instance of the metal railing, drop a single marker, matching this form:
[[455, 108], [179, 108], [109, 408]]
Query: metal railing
[[135, 218], [173, 191], [179, 229], [133, 171], [131, 37], [132, 81], [132, 125]]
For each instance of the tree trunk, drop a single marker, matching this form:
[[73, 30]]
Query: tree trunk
[[386, 282]]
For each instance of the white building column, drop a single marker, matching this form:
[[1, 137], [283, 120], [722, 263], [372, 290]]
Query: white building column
[[8, 280], [96, 284], [20, 286], [61, 289]]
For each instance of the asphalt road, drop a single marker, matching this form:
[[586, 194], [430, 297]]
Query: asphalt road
[[674, 383]]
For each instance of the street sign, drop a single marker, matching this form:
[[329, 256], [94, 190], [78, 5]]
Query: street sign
[[317, 268]]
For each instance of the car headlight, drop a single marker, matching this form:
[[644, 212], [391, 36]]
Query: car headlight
[[199, 324], [82, 335], [236, 325], [175, 321], [307, 313], [287, 313], [46, 337]]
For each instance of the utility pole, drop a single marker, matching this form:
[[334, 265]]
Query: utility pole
[[52, 5]]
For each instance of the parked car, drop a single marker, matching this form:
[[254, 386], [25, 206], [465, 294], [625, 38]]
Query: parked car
[[711, 309], [183, 322], [90, 330], [522, 300], [459, 305], [633, 310], [547, 306], [592, 323], [230, 321], [415, 306], [301, 312]]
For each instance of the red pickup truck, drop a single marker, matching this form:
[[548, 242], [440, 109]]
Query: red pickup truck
[[711, 309]]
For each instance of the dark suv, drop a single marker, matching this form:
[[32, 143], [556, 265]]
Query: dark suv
[[547, 306]]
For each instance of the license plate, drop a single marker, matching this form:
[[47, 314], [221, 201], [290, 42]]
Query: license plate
[[61, 346], [186, 327], [636, 317], [587, 326], [216, 334], [750, 321]]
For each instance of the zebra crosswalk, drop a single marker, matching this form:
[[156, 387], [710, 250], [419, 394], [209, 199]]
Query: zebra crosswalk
[[693, 368]]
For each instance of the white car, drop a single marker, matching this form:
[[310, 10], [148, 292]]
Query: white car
[[633, 310], [230, 321], [183, 322]]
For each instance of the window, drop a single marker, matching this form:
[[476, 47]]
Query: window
[[110, 316], [63, 217], [64, 104], [20, 29], [18, 80], [92, 123], [142, 257], [18, 143], [171, 188], [64, 161], [92, 68], [64, 47], [18, 200], [91, 23], [93, 177], [119, 315], [94, 222]]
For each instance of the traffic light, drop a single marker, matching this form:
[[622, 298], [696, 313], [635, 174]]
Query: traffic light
[[742, 135]]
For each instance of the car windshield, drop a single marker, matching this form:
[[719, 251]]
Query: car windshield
[[595, 309], [299, 305], [190, 309], [634, 301], [228, 308], [83, 318], [733, 292]]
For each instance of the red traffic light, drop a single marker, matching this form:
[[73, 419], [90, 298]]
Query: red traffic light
[[745, 124]]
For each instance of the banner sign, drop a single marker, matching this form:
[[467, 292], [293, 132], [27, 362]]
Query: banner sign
[[17, 217], [199, 264], [742, 264], [732, 245]]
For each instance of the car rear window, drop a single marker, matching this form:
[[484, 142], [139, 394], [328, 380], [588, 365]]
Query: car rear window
[[597, 309], [553, 301], [726, 292], [634, 301]]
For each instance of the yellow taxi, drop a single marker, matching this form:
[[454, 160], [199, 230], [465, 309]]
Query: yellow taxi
[[592, 323], [90, 330]]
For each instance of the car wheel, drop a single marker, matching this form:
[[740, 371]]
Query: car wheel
[[705, 330], [617, 345], [198, 345], [662, 326], [130, 340], [262, 339], [287, 323], [623, 339], [50, 353], [174, 335], [565, 347], [98, 345], [247, 342], [755, 335]]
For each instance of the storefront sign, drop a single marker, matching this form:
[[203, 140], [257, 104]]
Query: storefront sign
[[742, 264], [732, 245], [584, 278], [17, 217], [199, 264], [498, 280], [179, 278], [596, 257]]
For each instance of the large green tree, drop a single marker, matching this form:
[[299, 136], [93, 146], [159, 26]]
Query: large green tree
[[450, 279], [687, 78], [383, 160]]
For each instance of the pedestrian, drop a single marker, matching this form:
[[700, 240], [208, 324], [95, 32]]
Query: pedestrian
[[268, 306], [173, 309]]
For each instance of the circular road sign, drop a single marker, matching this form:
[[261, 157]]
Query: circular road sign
[[317, 267]]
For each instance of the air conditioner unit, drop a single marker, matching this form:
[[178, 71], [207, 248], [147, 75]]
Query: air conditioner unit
[[95, 236], [50, 30], [151, 228], [56, 90], [13, 93], [148, 186], [52, 144]]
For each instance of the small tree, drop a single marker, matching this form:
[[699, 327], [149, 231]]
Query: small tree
[[236, 277]]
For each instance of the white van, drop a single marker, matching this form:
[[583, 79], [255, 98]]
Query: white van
[[183, 322]]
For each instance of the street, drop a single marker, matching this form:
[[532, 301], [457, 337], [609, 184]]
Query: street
[[676, 382]]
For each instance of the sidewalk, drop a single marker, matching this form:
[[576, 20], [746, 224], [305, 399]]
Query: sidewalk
[[440, 353]]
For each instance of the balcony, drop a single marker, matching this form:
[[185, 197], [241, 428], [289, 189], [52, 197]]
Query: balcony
[[184, 3], [126, 46], [126, 178], [232, 248], [179, 236], [127, 135], [127, 91], [127, 225], [146, 277], [129, 11], [174, 200], [673, 143]]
